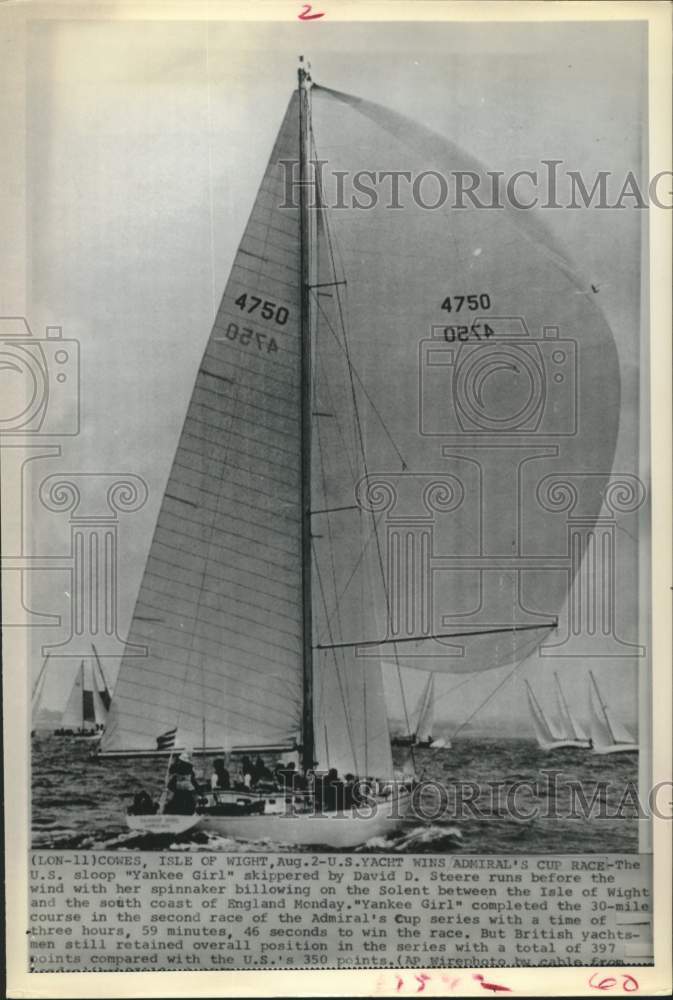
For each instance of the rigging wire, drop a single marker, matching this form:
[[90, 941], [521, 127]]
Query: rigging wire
[[492, 693]]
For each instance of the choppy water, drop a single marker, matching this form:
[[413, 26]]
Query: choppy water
[[78, 802]]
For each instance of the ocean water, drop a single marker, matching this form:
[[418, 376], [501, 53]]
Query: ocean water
[[80, 802]]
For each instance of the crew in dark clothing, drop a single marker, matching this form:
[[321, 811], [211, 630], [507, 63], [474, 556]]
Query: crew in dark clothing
[[286, 775], [261, 772], [247, 772], [182, 785], [334, 791], [351, 794], [219, 779]]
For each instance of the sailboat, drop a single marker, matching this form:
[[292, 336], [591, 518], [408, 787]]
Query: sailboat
[[549, 737], [422, 720], [37, 696], [85, 714], [265, 606], [607, 733], [571, 730]]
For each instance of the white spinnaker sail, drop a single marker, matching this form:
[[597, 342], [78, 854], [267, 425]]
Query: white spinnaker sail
[[543, 730], [219, 607], [73, 713], [570, 728], [396, 267]]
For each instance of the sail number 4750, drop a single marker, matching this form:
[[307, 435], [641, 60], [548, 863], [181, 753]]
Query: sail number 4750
[[454, 303], [269, 310]]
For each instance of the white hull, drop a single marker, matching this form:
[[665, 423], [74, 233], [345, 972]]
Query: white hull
[[565, 745], [162, 823], [617, 748], [338, 830]]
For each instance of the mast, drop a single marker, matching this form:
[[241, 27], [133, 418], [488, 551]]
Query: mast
[[564, 704], [308, 734], [82, 696]]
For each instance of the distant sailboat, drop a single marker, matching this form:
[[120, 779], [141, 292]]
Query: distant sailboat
[[85, 713], [265, 578], [421, 719], [37, 696], [607, 733], [570, 728], [548, 737]]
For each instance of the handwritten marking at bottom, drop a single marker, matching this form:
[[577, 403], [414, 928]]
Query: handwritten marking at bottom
[[493, 987]]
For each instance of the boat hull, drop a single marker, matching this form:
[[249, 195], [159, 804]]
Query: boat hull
[[617, 748], [566, 745], [340, 830], [427, 744], [161, 824]]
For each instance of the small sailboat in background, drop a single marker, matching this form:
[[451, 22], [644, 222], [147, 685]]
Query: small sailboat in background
[[607, 733], [571, 730], [85, 713], [548, 736], [421, 720], [37, 697]]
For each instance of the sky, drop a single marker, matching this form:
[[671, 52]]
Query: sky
[[146, 142]]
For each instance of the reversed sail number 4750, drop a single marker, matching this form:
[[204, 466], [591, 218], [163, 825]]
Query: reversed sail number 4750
[[245, 335], [462, 333]]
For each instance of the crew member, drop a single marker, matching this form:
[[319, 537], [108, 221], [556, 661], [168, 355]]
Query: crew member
[[182, 785]]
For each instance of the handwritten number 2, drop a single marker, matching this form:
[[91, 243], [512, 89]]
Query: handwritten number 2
[[306, 14]]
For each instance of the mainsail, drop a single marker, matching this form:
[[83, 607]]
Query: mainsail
[[606, 731], [418, 707], [219, 607], [85, 705], [570, 728], [73, 713], [543, 729], [103, 690]]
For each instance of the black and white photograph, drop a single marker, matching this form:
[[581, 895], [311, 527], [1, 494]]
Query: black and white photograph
[[328, 492]]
